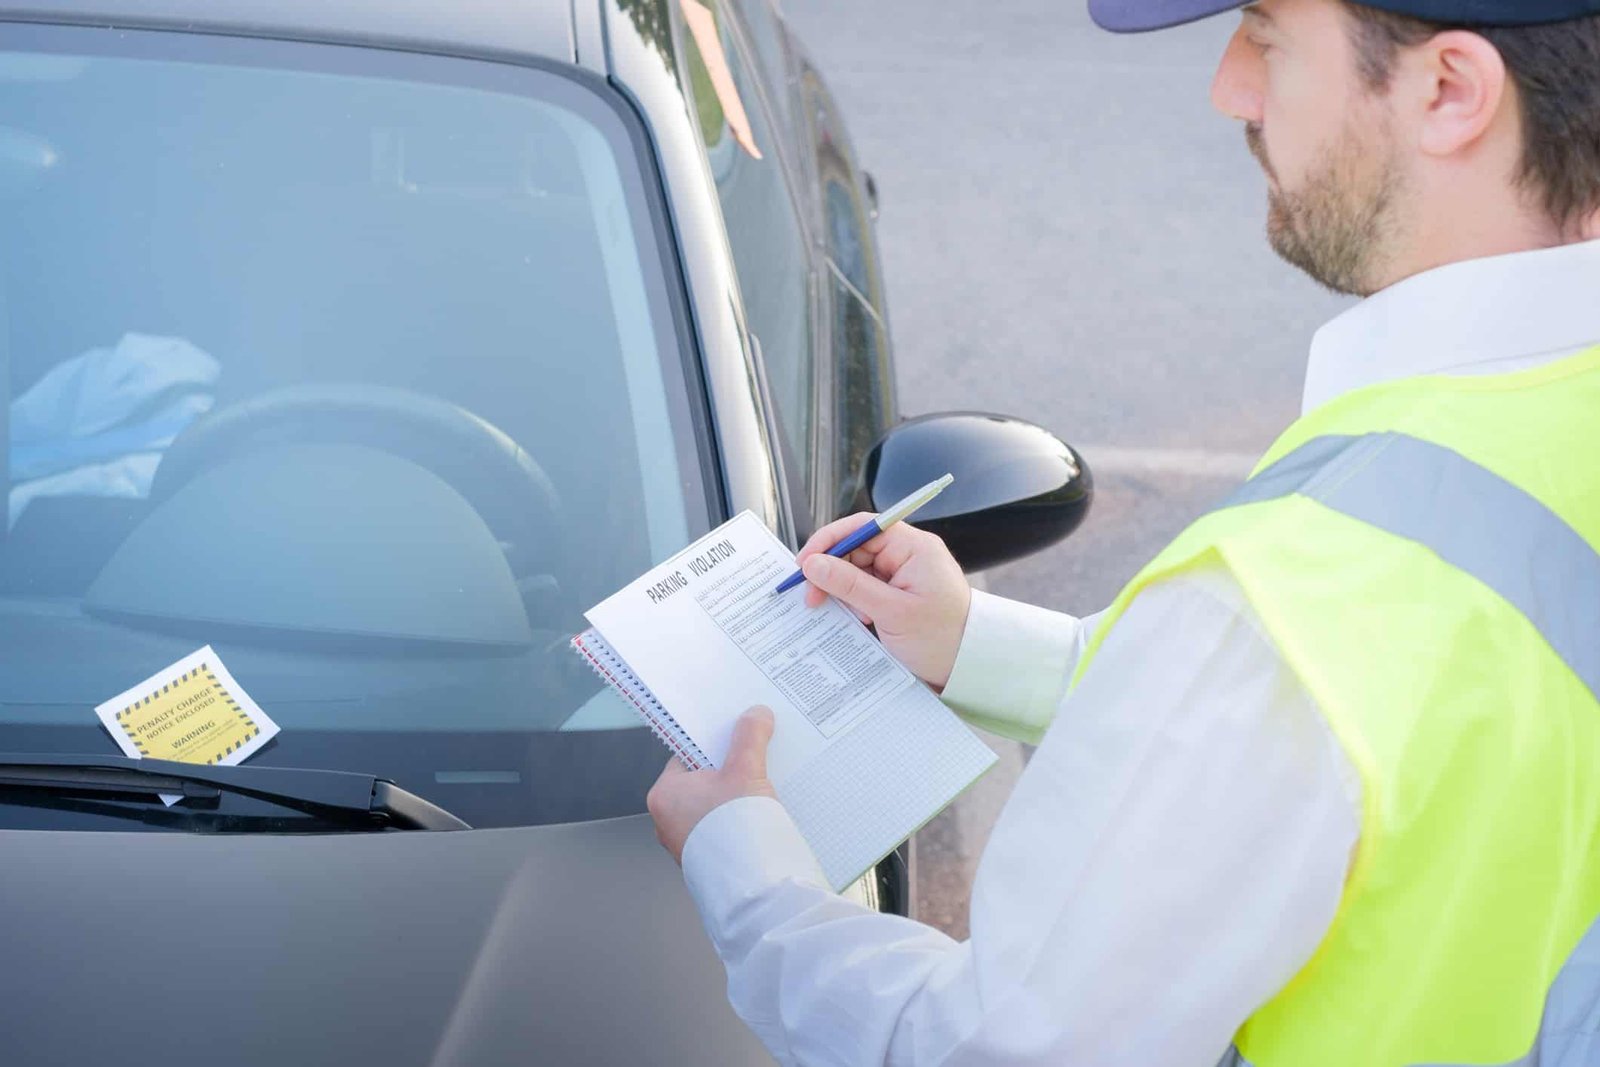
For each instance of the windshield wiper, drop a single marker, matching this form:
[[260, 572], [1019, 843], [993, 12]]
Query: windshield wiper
[[336, 796]]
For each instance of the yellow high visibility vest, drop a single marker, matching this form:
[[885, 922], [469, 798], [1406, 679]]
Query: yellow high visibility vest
[[1425, 555]]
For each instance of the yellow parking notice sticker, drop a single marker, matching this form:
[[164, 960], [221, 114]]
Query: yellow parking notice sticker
[[192, 712]]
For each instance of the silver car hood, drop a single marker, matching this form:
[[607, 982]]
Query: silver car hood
[[560, 945]]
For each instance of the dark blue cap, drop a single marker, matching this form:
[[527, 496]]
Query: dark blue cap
[[1136, 16]]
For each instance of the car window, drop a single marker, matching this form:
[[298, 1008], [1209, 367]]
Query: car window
[[847, 246], [358, 367], [766, 34], [863, 401], [764, 230]]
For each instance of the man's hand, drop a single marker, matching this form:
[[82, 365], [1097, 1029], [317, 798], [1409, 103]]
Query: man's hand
[[905, 582], [681, 797]]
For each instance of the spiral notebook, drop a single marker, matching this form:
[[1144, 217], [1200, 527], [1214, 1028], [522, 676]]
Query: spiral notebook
[[862, 752], [610, 666]]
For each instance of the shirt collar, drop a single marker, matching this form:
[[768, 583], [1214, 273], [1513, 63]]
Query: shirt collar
[[1476, 316]]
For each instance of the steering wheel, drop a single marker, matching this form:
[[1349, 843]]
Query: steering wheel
[[509, 490]]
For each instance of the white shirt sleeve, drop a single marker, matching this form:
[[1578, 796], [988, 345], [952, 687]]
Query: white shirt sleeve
[[1173, 853], [1013, 665]]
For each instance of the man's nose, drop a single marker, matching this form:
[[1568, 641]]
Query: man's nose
[[1236, 89]]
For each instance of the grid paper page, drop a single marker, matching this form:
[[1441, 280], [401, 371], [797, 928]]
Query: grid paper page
[[881, 781]]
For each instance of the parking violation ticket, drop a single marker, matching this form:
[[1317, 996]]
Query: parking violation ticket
[[192, 712]]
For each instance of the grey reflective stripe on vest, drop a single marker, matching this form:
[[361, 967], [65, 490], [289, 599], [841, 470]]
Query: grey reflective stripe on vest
[[1484, 525], [1569, 1035], [1469, 516]]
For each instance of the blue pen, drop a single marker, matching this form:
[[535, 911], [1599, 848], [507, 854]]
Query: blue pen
[[876, 525]]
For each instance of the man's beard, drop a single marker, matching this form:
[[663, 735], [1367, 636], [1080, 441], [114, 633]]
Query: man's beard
[[1339, 225]]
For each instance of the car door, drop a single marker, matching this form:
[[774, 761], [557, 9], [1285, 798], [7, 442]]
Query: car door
[[864, 395], [772, 244], [857, 368]]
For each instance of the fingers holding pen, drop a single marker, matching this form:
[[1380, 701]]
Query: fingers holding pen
[[826, 537], [863, 557], [887, 563], [816, 595]]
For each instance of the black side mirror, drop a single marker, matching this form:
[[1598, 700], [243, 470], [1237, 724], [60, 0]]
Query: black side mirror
[[1018, 488]]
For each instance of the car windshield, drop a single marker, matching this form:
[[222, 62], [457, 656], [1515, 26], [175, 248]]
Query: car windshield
[[359, 368]]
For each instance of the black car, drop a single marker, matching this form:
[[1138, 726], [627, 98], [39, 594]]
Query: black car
[[369, 342]]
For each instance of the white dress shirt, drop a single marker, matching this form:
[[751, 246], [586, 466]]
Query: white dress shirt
[[1176, 848]]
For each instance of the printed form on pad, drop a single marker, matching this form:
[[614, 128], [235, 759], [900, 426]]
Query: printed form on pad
[[862, 752]]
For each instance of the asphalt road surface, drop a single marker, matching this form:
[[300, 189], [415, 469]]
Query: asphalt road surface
[[1071, 235]]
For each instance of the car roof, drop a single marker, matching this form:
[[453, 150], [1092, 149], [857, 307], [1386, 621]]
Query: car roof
[[538, 29]]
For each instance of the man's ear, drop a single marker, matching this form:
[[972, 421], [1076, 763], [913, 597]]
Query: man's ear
[[1458, 83]]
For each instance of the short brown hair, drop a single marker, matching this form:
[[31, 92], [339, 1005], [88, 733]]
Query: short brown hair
[[1556, 69]]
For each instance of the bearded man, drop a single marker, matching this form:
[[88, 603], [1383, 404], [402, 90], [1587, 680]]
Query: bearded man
[[1322, 786]]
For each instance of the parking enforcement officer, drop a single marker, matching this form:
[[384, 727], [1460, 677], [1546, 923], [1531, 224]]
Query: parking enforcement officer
[[1322, 786]]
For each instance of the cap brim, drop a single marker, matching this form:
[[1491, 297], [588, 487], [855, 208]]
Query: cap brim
[[1139, 16]]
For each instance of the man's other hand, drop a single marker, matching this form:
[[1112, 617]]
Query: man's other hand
[[904, 582], [681, 797]]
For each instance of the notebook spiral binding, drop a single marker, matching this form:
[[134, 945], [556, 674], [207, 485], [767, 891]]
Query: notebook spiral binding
[[611, 668]]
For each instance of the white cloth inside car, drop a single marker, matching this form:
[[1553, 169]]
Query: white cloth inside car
[[98, 423]]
